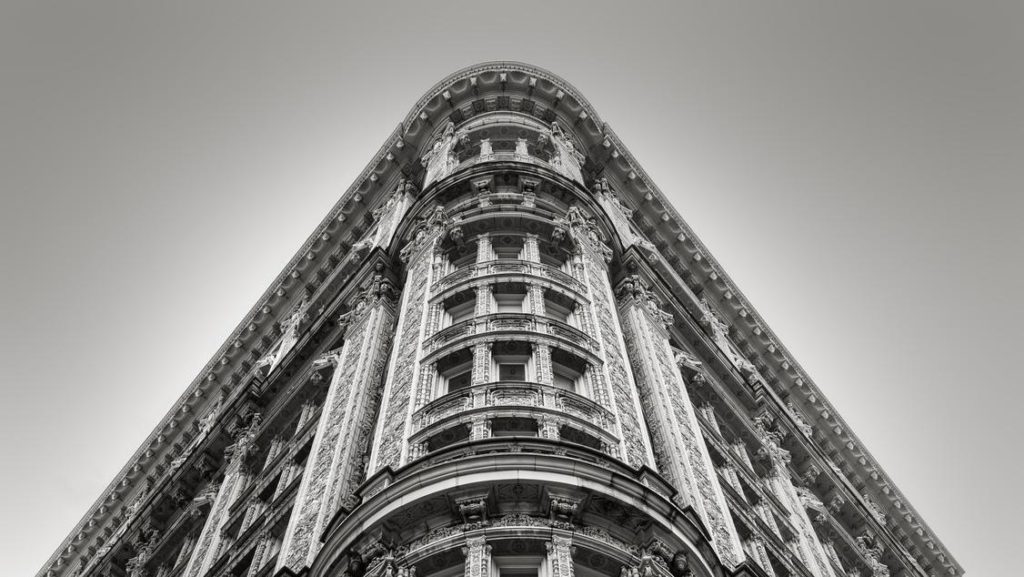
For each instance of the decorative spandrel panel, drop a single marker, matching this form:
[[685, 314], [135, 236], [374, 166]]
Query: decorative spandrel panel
[[344, 428], [683, 455]]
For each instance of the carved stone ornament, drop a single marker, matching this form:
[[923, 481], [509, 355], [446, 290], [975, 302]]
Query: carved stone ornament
[[604, 191], [719, 333], [771, 440], [404, 187], [425, 230], [686, 360], [440, 160], [875, 510], [245, 439], [289, 337], [144, 547], [872, 551], [809, 499], [586, 231], [210, 419], [634, 287], [563, 508], [565, 159], [472, 509], [798, 418]]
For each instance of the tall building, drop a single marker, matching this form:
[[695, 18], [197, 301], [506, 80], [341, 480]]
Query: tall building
[[502, 354]]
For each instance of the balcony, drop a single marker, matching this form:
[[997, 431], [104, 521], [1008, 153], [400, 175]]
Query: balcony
[[499, 267], [556, 414], [510, 322]]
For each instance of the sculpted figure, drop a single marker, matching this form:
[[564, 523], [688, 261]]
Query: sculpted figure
[[566, 159], [440, 160]]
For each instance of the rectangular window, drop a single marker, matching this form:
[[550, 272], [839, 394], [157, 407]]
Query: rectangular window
[[460, 381], [461, 312], [564, 382], [512, 372], [508, 302]]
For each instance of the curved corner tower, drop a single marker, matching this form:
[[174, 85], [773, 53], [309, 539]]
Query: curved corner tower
[[503, 354]]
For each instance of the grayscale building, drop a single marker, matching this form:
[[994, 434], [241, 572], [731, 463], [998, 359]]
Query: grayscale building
[[502, 354]]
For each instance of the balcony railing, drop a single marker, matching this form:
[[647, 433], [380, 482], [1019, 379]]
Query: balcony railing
[[515, 322], [496, 267], [522, 399]]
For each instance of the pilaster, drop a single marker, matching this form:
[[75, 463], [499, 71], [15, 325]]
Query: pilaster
[[560, 550], [403, 384], [535, 300], [531, 252], [478, 557], [335, 466], [682, 453], [542, 355], [484, 252], [209, 542], [481, 364], [616, 386], [484, 298]]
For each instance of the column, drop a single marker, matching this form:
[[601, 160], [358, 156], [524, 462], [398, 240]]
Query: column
[[680, 449], [334, 467], [760, 554], [484, 297], [402, 386], [549, 428], [209, 542], [428, 388], [434, 319], [478, 557], [481, 363], [781, 485], [480, 428], [483, 248], [531, 252], [560, 556], [535, 300], [542, 356], [617, 386]]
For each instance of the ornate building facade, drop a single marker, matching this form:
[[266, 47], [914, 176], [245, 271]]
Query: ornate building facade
[[502, 354]]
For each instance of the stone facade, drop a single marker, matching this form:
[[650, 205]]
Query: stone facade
[[502, 354]]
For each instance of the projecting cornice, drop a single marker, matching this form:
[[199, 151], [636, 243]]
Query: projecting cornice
[[459, 97]]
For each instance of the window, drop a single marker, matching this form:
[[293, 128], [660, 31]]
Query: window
[[460, 380], [507, 247], [559, 307], [512, 371], [574, 435], [517, 566], [459, 256], [567, 371], [563, 379], [455, 372], [514, 427], [458, 307], [555, 256], [512, 361], [509, 297], [456, 434]]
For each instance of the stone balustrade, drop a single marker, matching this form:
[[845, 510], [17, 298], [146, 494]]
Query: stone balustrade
[[550, 406], [508, 322], [498, 267]]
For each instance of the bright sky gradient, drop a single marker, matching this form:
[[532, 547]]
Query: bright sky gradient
[[856, 169]]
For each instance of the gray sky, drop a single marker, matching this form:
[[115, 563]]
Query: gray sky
[[855, 168]]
